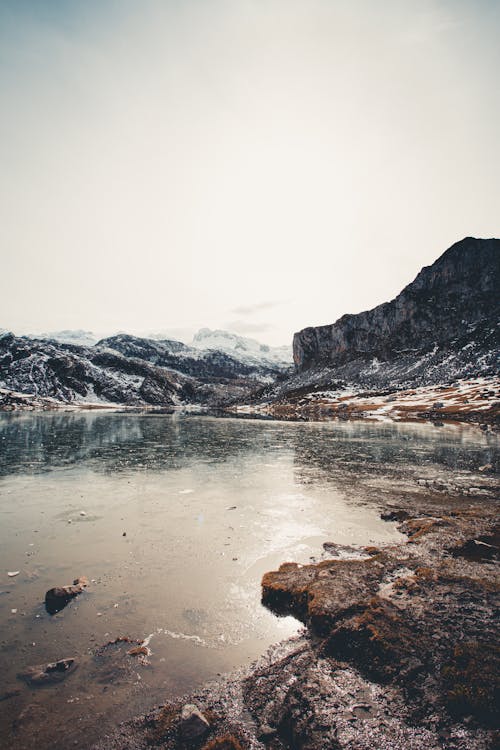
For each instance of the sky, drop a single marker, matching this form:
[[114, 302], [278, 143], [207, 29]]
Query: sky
[[252, 165]]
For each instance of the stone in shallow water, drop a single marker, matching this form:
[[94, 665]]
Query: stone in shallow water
[[58, 597], [47, 674]]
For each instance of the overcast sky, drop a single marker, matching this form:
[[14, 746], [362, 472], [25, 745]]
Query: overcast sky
[[256, 165]]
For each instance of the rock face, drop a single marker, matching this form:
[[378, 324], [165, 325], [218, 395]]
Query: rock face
[[451, 305]]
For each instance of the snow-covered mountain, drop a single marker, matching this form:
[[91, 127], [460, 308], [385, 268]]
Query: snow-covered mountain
[[246, 350], [126, 369], [77, 337]]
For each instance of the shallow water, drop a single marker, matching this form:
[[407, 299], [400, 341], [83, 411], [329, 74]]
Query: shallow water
[[174, 519]]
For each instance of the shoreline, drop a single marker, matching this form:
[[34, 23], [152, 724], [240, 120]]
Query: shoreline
[[474, 402], [400, 649]]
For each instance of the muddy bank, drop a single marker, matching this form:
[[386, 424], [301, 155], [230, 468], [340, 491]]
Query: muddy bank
[[400, 649]]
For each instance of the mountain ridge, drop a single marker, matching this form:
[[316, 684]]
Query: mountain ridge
[[460, 289]]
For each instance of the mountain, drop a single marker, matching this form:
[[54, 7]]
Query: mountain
[[246, 350], [78, 337], [449, 314], [443, 327], [128, 370], [203, 362], [434, 349]]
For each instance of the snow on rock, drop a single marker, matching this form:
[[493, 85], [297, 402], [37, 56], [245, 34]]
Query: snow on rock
[[245, 349], [78, 337]]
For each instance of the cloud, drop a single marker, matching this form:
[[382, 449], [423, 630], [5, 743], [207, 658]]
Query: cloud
[[251, 309], [243, 326]]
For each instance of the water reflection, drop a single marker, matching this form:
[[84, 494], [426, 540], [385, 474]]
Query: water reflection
[[376, 449], [31, 443]]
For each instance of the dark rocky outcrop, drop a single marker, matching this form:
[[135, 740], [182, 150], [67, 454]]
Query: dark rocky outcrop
[[451, 304]]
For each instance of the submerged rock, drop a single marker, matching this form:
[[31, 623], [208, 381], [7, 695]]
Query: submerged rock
[[48, 674]]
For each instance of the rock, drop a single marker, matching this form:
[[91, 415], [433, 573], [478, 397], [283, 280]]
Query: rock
[[395, 515], [193, 723], [48, 674], [57, 598], [319, 594], [266, 732], [13, 573]]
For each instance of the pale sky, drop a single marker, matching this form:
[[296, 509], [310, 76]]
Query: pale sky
[[254, 165]]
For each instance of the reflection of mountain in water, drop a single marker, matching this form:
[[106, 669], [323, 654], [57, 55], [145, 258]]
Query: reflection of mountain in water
[[120, 442], [127, 442], [376, 449]]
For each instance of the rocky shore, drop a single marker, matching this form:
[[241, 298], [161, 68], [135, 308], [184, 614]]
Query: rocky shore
[[399, 651], [473, 400]]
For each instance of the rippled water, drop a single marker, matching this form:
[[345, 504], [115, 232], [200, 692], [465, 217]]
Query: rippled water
[[174, 519]]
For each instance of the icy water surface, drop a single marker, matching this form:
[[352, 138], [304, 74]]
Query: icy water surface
[[174, 519]]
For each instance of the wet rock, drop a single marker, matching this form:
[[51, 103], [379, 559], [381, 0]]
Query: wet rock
[[48, 674], [344, 551], [193, 723], [319, 594], [57, 598], [395, 515]]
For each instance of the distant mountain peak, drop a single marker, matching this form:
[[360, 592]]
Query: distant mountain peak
[[247, 349], [77, 337]]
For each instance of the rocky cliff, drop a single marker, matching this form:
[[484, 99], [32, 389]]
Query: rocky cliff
[[451, 304]]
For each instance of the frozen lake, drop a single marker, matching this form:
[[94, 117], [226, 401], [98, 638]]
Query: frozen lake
[[174, 519]]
